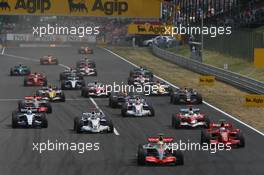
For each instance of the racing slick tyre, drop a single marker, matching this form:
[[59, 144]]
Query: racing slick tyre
[[124, 111], [78, 125], [45, 82], [199, 99], [11, 72], [112, 102], [111, 126], [95, 73], [41, 62], [130, 81], [44, 120], [205, 137], [63, 98], [141, 155], [174, 99], [175, 122], [207, 122], [179, 157], [25, 82], [84, 93], [152, 112], [49, 108], [14, 120], [241, 138]]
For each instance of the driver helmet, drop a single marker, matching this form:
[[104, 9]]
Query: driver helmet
[[29, 112], [190, 111]]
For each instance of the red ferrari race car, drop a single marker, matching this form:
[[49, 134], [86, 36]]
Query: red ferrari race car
[[190, 118], [157, 152], [36, 79], [85, 50], [34, 103], [48, 60], [223, 132]]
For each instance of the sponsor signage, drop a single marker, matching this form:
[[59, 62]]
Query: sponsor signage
[[254, 100], [49, 38], [126, 8], [259, 57], [151, 29], [206, 80]]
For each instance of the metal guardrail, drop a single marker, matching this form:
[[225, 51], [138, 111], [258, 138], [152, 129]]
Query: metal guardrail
[[229, 77]]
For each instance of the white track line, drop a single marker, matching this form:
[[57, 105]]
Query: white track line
[[95, 104], [62, 65], [3, 51], [208, 104]]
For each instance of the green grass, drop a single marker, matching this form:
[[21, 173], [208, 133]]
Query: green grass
[[216, 59]]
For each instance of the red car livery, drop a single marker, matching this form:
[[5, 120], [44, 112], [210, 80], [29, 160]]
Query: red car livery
[[223, 132], [36, 79]]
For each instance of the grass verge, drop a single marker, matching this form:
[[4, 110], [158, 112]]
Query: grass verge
[[217, 59], [223, 96]]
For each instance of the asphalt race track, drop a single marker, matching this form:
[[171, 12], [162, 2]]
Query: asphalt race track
[[117, 154]]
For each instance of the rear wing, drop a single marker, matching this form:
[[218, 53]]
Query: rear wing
[[157, 139]]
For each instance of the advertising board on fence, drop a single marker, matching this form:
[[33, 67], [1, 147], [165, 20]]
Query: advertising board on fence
[[50, 38]]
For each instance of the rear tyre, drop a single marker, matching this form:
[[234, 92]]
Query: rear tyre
[[14, 120], [175, 122], [241, 138], [141, 155], [44, 121]]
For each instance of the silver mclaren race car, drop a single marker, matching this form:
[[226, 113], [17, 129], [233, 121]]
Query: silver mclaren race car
[[137, 106], [93, 122]]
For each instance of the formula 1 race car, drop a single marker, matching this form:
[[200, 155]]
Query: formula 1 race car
[[190, 118], [137, 106], [139, 80], [85, 50], [87, 71], [36, 79], [158, 88], [141, 71], [70, 73], [29, 118], [36, 103], [93, 122], [48, 60], [117, 99], [95, 90], [72, 83], [157, 152], [85, 62], [19, 70], [52, 94], [186, 96], [223, 132]]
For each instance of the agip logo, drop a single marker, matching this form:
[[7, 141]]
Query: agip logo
[[126, 8], [32, 6], [77, 6], [4, 5], [109, 7]]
